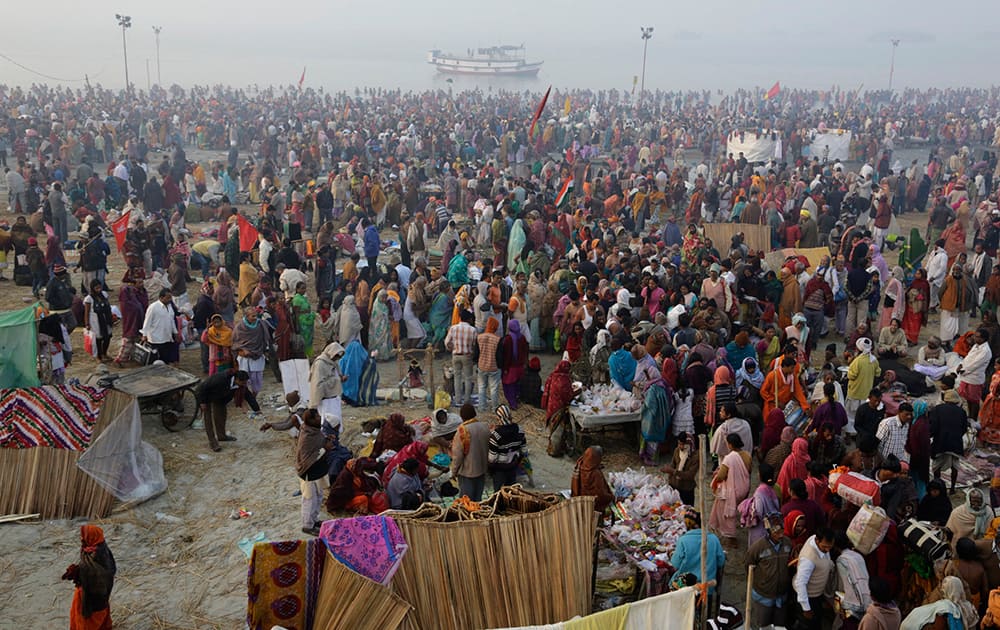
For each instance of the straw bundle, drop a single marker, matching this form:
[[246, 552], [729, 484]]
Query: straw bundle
[[506, 571], [349, 600], [46, 480]]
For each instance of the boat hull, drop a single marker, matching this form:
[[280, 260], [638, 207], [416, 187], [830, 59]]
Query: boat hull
[[514, 71]]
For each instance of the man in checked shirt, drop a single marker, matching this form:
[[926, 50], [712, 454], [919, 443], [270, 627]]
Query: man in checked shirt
[[461, 340]]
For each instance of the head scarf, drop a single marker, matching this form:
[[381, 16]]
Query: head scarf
[[919, 408], [492, 325], [504, 416], [790, 519], [91, 536], [799, 318], [603, 339], [794, 467], [755, 378], [864, 345], [983, 515], [773, 430]]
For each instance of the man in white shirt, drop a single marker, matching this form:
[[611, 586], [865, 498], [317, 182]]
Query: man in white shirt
[[159, 328], [937, 268], [972, 371], [812, 573], [266, 247], [288, 279]]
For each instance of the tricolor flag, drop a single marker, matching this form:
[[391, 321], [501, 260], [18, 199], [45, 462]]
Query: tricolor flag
[[248, 233], [538, 112], [120, 229], [775, 89], [563, 195], [302, 78]]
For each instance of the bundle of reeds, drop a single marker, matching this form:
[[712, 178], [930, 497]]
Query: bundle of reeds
[[349, 600], [46, 480], [526, 569]]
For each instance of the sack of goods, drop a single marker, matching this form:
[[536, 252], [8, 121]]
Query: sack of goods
[[927, 539], [854, 487], [868, 528]]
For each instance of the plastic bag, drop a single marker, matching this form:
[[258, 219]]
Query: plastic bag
[[441, 399], [89, 343], [118, 459]]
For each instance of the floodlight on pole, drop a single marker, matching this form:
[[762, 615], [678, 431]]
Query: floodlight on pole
[[124, 21], [892, 61], [159, 79], [647, 34]]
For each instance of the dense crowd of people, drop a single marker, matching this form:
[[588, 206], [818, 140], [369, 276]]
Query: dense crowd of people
[[344, 229]]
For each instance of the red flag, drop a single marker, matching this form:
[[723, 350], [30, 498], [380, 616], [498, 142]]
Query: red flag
[[538, 112], [303, 77], [248, 233], [120, 227], [773, 91]]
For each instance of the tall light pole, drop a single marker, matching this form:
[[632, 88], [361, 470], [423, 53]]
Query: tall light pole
[[125, 22], [647, 34], [892, 61], [157, 29]]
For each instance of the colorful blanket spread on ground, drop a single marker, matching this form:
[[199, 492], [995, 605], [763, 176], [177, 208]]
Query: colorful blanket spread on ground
[[282, 584], [372, 546], [59, 416]]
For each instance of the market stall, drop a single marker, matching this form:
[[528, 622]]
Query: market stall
[[635, 546], [602, 407]]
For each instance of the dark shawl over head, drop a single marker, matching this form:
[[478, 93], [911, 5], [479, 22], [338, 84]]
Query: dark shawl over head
[[96, 572], [252, 339]]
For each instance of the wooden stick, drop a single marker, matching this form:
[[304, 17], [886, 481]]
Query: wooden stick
[[702, 460], [430, 371], [746, 618], [10, 518]]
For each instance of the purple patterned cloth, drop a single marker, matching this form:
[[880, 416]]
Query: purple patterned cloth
[[371, 546]]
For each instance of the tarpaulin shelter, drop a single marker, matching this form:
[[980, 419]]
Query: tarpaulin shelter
[[755, 147], [834, 144], [19, 349]]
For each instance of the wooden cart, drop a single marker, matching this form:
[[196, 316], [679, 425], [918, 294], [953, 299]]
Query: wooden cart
[[163, 390], [583, 424]]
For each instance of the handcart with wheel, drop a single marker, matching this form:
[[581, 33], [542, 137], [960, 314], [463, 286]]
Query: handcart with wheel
[[164, 390]]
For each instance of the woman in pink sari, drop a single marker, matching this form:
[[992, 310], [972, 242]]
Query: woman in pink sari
[[731, 484]]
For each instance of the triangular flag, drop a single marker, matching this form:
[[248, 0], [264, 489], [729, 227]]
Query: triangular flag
[[773, 91], [538, 112], [303, 77], [248, 233], [120, 229]]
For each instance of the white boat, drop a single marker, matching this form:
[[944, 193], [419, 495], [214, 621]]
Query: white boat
[[494, 61]]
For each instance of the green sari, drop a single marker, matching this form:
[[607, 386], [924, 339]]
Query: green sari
[[305, 318]]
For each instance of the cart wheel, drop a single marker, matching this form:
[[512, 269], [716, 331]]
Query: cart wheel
[[178, 410]]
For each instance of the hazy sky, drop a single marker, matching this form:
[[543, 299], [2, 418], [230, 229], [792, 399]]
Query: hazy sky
[[718, 44]]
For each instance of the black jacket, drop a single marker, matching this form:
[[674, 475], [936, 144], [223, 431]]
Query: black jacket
[[948, 424]]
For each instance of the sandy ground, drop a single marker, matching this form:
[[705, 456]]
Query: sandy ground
[[178, 561]]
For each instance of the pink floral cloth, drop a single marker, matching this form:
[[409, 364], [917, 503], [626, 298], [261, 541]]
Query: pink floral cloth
[[371, 546]]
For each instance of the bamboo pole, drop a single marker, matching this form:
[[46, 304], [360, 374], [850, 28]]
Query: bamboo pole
[[702, 459], [400, 363], [746, 617], [430, 374]]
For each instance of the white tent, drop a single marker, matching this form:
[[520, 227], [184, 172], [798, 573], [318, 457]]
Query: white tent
[[755, 148], [836, 141]]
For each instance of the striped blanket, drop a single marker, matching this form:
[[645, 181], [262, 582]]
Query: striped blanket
[[59, 416]]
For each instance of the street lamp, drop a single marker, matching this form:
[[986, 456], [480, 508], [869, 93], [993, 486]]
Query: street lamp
[[157, 29], [647, 34], [892, 61], [125, 21]]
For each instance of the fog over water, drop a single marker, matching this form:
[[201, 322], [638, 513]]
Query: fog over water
[[344, 44]]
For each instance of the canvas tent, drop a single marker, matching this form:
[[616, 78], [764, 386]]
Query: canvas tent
[[45, 432], [755, 147], [831, 144], [19, 349]]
